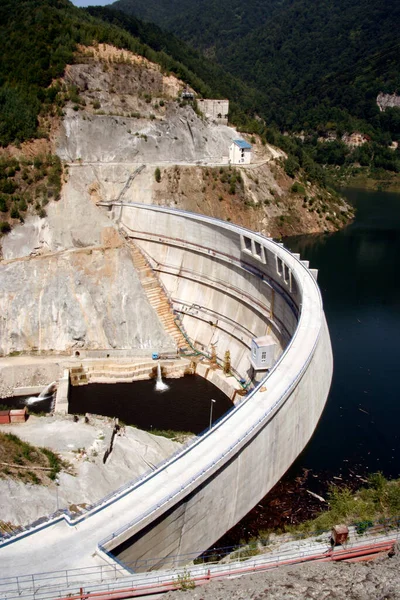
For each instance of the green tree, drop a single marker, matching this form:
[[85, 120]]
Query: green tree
[[14, 213], [291, 166], [5, 227]]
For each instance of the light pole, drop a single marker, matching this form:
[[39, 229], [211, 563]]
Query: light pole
[[211, 409]]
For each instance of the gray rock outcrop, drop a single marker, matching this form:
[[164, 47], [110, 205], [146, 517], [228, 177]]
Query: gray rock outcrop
[[385, 101], [88, 298], [181, 136]]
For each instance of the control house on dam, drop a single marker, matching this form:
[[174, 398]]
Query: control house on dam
[[231, 289]]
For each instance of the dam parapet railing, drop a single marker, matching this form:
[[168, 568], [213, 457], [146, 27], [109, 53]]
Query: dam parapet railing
[[218, 563]]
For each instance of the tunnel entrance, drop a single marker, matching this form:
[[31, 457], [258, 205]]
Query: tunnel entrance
[[184, 406]]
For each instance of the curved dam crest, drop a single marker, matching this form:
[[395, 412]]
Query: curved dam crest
[[244, 286]]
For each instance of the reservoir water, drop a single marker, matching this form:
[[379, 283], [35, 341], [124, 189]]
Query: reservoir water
[[359, 431], [360, 284]]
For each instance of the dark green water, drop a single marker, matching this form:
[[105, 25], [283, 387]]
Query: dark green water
[[359, 431], [184, 406], [359, 277]]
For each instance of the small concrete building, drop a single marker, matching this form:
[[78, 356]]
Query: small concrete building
[[216, 110], [263, 351], [240, 153], [187, 95]]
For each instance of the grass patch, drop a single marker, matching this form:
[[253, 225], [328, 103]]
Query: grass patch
[[246, 551], [185, 581], [176, 436], [377, 502], [30, 464]]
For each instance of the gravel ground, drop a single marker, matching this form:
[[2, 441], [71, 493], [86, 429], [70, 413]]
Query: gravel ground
[[375, 580]]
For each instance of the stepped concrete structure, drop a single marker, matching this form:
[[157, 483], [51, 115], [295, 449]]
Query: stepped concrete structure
[[157, 296], [228, 286]]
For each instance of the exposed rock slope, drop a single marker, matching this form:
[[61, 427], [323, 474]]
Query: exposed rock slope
[[88, 298], [83, 446]]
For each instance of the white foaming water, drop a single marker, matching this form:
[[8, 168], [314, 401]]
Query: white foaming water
[[47, 392], [160, 385]]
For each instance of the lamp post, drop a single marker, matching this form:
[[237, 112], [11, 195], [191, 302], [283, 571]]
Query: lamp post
[[211, 409]]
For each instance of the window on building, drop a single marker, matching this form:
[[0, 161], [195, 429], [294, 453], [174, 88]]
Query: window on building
[[257, 249], [279, 265], [247, 244], [286, 273], [254, 351], [263, 357]]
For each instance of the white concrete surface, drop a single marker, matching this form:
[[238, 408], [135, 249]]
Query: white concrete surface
[[199, 494]]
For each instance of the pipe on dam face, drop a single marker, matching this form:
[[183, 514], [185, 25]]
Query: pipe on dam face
[[187, 503]]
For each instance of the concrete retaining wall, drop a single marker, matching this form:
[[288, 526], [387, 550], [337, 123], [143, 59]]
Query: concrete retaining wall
[[29, 372], [109, 371]]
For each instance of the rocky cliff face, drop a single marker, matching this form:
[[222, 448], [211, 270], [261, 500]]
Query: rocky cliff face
[[88, 298], [179, 136]]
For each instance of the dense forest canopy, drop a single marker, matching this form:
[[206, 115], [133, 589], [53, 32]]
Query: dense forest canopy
[[207, 25], [320, 64], [175, 55]]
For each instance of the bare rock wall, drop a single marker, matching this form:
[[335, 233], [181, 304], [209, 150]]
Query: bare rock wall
[[89, 298]]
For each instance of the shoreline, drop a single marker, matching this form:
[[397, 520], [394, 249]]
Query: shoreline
[[365, 182]]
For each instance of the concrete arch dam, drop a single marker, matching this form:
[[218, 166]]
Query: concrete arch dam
[[228, 286]]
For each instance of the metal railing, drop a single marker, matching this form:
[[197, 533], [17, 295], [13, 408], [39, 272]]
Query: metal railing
[[106, 578]]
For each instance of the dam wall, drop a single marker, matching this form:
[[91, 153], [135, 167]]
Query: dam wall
[[227, 285]]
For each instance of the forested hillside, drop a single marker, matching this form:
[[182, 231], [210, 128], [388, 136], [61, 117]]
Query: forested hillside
[[210, 25], [39, 38], [313, 68], [175, 55], [319, 64]]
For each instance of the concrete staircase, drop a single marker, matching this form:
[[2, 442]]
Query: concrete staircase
[[157, 296]]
